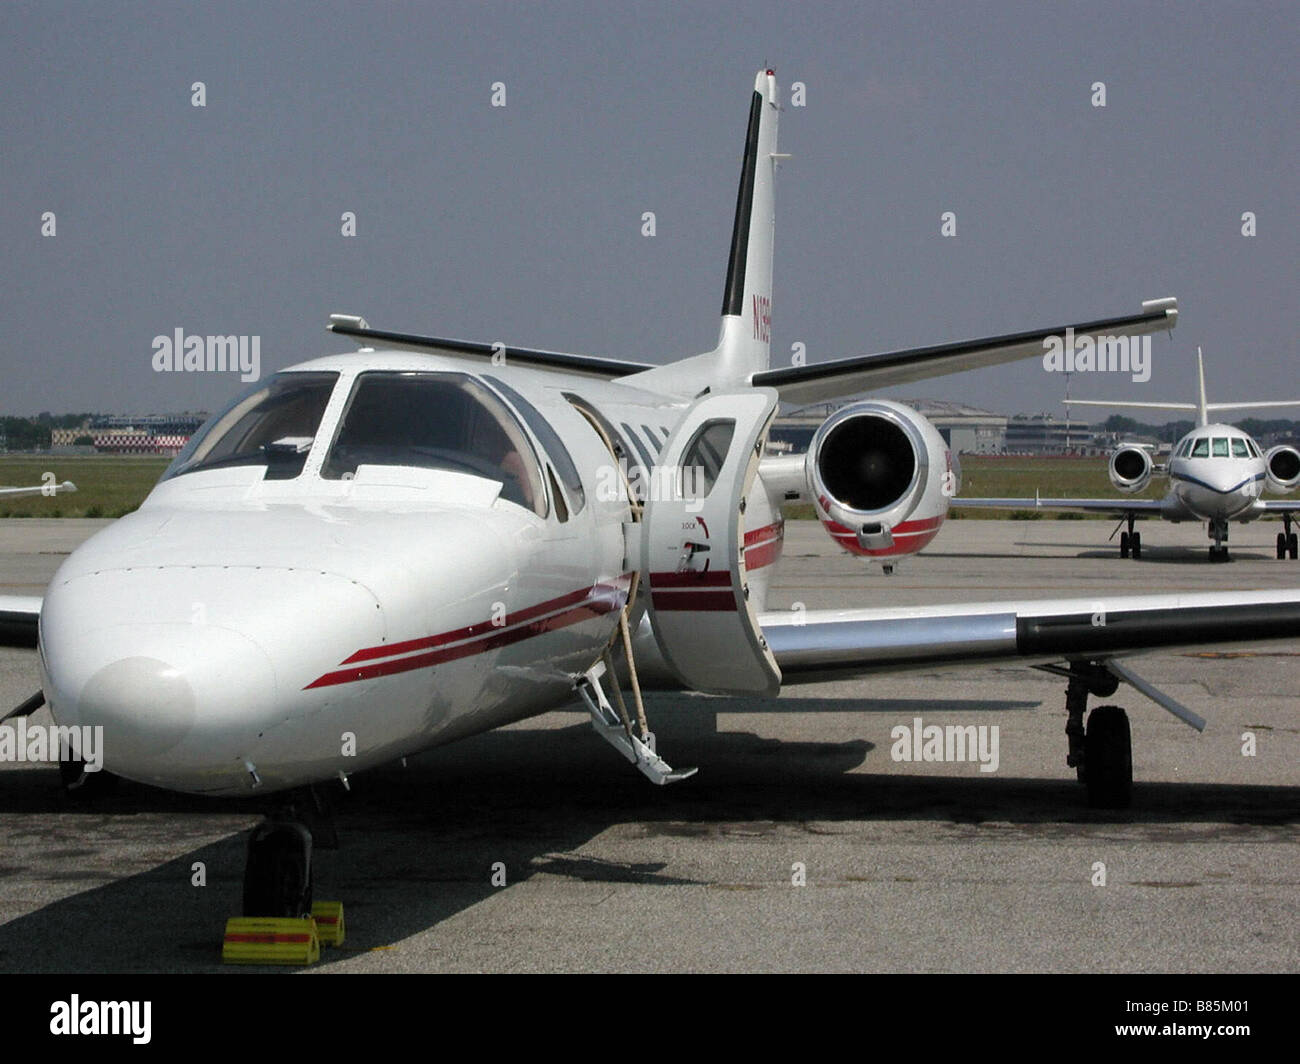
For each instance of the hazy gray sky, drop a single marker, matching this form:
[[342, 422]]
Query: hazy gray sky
[[523, 223]]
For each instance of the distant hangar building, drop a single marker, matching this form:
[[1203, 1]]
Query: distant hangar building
[[966, 429]]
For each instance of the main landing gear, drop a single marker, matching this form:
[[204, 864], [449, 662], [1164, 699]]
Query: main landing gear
[[1101, 754], [1286, 540], [1130, 542], [1219, 532], [282, 923]]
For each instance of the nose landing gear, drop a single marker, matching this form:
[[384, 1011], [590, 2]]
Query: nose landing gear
[[282, 924], [1219, 532]]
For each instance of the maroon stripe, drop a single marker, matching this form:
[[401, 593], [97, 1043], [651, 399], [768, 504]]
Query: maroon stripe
[[720, 578], [498, 638], [715, 601], [480, 628]]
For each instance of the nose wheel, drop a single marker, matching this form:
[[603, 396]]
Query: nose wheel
[[282, 924], [277, 876], [1219, 532]]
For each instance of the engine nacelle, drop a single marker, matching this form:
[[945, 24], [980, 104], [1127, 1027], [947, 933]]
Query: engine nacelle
[[1283, 464], [1130, 469], [881, 477]]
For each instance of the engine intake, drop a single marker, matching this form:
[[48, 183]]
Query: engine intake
[[881, 477], [1283, 465], [1130, 469]]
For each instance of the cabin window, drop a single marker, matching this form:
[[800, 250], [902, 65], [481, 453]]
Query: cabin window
[[551, 443], [703, 458], [436, 421], [273, 425]]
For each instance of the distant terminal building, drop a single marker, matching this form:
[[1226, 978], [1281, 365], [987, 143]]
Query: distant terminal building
[[966, 429], [152, 434], [1048, 434]]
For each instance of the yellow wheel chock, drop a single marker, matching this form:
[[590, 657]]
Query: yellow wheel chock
[[270, 940], [283, 939], [329, 922]]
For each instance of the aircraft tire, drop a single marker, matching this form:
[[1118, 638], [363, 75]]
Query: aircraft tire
[[1123, 544], [1282, 545], [1135, 545], [277, 876], [1294, 544], [1108, 755]]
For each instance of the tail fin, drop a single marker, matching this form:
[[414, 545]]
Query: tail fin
[[744, 338], [1203, 412], [743, 342]]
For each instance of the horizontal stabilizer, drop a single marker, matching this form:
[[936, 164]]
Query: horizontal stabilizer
[[830, 380], [347, 325]]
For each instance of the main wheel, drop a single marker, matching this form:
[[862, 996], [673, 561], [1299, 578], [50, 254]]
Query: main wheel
[[1282, 545], [277, 877], [1108, 755], [1135, 544], [1293, 544], [1123, 544]]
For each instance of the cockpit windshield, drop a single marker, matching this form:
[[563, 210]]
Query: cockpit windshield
[[271, 425], [436, 421]]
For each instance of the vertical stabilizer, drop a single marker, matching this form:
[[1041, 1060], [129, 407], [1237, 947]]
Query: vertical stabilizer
[[745, 336], [743, 342], [1203, 411]]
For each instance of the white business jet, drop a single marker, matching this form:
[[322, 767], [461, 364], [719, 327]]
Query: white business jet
[[375, 553], [1216, 473]]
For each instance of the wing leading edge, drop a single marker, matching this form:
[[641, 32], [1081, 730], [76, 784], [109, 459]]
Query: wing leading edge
[[19, 617], [815, 645]]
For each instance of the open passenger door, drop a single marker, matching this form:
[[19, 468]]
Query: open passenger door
[[693, 546]]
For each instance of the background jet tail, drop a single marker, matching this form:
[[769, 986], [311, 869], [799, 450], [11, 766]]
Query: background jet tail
[[744, 338]]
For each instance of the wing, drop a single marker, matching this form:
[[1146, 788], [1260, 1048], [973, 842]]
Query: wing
[[813, 645], [1118, 507], [829, 380], [19, 616], [67, 487], [1278, 506]]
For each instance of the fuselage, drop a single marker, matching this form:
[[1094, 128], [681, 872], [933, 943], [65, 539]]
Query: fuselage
[[370, 555], [1216, 473]]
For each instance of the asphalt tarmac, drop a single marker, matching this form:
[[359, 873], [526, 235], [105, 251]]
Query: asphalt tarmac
[[801, 845]]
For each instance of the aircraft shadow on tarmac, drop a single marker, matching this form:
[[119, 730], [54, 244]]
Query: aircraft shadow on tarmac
[[418, 845]]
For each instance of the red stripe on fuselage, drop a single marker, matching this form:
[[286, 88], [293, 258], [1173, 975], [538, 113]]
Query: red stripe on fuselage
[[523, 624]]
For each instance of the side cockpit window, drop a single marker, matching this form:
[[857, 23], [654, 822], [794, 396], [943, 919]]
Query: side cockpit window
[[272, 425], [1239, 448], [1201, 448], [436, 421]]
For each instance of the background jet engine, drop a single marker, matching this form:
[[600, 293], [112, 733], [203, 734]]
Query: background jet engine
[[1283, 468], [881, 477], [1130, 469]]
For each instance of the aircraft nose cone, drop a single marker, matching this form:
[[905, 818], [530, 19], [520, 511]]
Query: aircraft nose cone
[[145, 704]]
